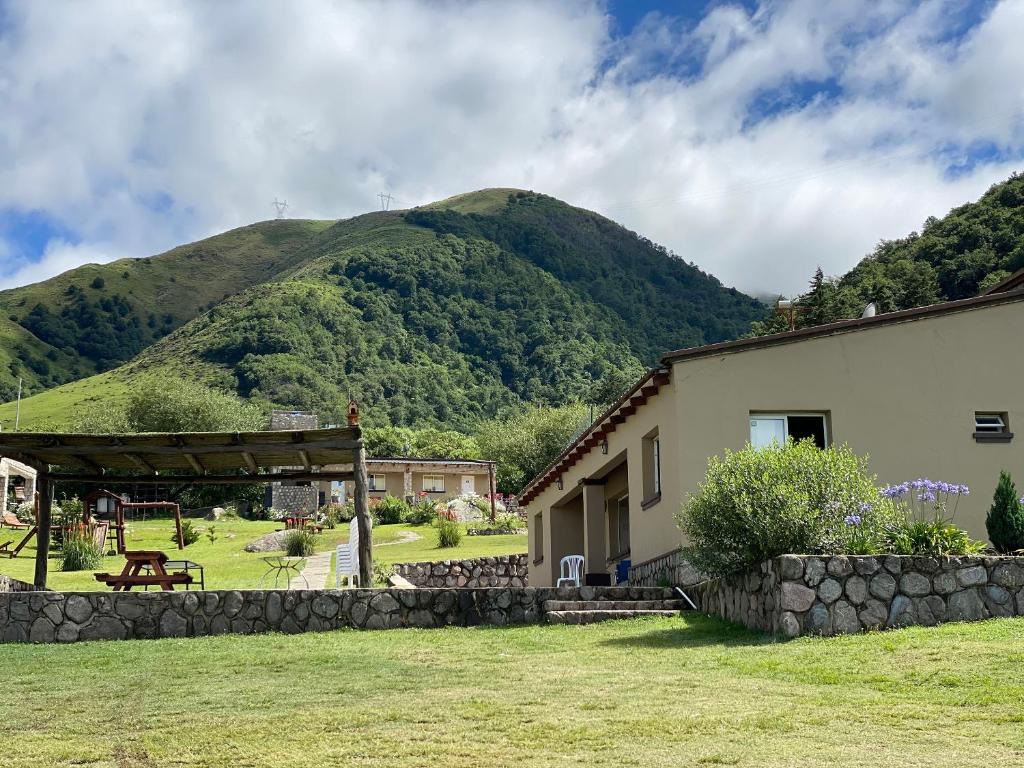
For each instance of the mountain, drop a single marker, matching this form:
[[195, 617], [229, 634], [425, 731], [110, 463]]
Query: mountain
[[435, 316], [958, 256]]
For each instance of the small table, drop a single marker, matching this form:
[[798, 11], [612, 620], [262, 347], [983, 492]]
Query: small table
[[131, 575], [181, 565], [286, 566]]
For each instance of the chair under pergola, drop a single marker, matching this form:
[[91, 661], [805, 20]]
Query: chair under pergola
[[194, 458]]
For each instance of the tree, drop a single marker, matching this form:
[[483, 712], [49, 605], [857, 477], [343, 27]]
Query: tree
[[1005, 520], [524, 444]]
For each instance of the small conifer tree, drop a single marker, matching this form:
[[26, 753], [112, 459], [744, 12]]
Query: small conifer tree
[[1005, 521]]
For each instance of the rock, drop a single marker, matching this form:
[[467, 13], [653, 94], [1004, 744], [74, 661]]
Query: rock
[[818, 620], [791, 567], [865, 565], [972, 576], [874, 615], [929, 610], [272, 542], [796, 597], [190, 604], [326, 607], [103, 628], [944, 583], [882, 586], [998, 601], [358, 613], [67, 632], [893, 564], [901, 612], [42, 631], [173, 624], [384, 603], [789, 624], [78, 609], [915, 584], [273, 610], [1008, 575], [830, 590], [966, 606], [844, 619], [814, 572], [214, 514], [856, 590], [233, 602], [839, 566]]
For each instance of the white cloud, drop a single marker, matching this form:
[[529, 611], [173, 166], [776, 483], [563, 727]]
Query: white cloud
[[107, 106]]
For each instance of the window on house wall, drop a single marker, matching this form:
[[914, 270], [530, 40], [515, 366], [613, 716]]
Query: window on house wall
[[651, 455], [622, 526], [538, 537], [768, 428], [376, 482], [433, 483], [992, 427]]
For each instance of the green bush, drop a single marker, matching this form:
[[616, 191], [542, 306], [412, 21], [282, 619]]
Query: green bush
[[80, 552], [300, 543], [934, 538], [756, 504], [390, 510], [449, 534], [422, 512], [189, 534], [1005, 520], [924, 522]]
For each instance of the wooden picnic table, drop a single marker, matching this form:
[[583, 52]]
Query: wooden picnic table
[[154, 562]]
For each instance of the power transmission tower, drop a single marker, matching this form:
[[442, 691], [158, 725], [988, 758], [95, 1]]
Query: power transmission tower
[[385, 200], [280, 206]]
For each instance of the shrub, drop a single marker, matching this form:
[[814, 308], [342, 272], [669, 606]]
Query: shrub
[[300, 543], [422, 512], [449, 534], [756, 504], [189, 534], [382, 573], [390, 510], [80, 552], [1005, 520], [925, 525]]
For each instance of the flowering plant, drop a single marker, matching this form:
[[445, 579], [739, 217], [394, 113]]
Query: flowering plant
[[927, 525]]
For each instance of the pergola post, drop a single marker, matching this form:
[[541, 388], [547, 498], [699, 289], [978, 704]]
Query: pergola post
[[45, 508], [493, 488], [362, 505]]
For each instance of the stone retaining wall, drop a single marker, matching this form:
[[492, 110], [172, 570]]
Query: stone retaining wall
[[671, 568], [798, 595], [7, 584], [67, 617], [504, 571]]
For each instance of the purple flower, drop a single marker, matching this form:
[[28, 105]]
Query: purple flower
[[866, 506], [852, 520]]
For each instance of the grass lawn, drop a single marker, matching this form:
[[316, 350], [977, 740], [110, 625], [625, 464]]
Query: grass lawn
[[228, 566], [649, 692]]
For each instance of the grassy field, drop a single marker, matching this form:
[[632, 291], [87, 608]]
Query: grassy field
[[228, 566], [651, 692]]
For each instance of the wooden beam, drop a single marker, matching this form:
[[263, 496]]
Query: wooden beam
[[362, 504], [121, 446], [250, 462], [141, 463], [306, 463], [196, 465], [44, 484], [266, 477]]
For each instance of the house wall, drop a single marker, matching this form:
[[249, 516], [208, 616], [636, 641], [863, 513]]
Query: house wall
[[394, 484], [904, 394]]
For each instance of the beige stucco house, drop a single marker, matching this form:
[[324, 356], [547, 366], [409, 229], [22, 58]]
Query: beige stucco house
[[439, 479], [934, 391]]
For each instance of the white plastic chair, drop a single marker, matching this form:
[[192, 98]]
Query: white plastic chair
[[347, 557], [571, 568]]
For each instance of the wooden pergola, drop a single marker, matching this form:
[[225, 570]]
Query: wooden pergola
[[194, 458]]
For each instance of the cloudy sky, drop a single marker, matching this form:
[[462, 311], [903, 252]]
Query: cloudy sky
[[757, 139]]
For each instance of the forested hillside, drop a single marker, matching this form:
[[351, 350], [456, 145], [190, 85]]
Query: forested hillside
[[958, 256], [440, 316]]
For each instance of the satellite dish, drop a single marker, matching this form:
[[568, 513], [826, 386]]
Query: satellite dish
[[870, 310]]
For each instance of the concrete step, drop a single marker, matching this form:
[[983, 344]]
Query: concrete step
[[592, 617], [615, 605]]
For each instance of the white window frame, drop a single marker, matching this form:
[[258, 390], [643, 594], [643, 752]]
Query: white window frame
[[656, 457], [433, 490], [990, 423], [371, 482], [754, 415]]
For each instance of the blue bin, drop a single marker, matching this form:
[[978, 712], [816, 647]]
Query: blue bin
[[622, 571]]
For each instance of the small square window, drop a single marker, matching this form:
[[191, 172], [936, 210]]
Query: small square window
[[433, 483], [992, 427], [376, 482]]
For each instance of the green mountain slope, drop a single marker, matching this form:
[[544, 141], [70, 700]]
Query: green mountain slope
[[95, 317], [958, 256], [441, 316]]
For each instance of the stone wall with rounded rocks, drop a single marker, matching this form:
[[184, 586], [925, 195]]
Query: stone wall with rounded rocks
[[7, 584], [805, 595], [502, 571], [671, 568], [68, 617]]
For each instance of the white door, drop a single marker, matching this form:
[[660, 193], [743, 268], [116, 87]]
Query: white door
[[468, 484]]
